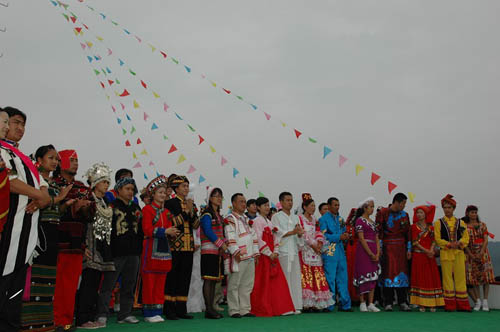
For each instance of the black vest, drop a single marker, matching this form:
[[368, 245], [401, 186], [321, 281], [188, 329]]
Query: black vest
[[445, 231]]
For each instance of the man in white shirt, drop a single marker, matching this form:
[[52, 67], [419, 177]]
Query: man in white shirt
[[291, 233], [244, 250]]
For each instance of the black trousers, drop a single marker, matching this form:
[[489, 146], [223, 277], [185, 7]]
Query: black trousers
[[389, 295], [88, 295], [177, 283], [11, 299]]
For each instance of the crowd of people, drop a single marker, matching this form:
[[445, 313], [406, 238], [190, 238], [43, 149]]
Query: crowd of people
[[70, 252]]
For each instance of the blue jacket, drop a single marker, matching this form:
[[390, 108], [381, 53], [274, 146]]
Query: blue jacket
[[332, 228]]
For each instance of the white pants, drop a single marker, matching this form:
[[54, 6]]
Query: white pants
[[293, 276], [239, 288]]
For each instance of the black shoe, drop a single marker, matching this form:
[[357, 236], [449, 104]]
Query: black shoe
[[236, 316], [325, 310], [185, 316], [249, 315], [212, 315], [171, 317], [306, 310], [345, 310]]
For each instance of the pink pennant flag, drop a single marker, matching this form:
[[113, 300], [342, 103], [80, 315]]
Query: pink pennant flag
[[223, 161], [137, 165], [203, 76], [268, 116], [146, 116], [429, 203], [191, 169], [123, 106], [165, 107], [83, 45], [342, 160], [114, 109], [138, 39], [109, 51], [151, 163]]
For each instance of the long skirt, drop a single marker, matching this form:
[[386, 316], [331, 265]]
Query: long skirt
[[426, 290]]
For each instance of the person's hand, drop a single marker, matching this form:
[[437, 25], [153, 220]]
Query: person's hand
[[196, 247], [81, 203], [2, 164], [344, 237], [408, 255], [88, 254], [430, 253], [172, 231], [373, 257], [189, 206], [224, 247], [70, 202], [237, 257], [273, 256], [256, 260], [64, 192]]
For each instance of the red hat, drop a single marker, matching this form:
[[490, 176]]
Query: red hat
[[429, 210], [65, 156], [306, 197], [449, 199]]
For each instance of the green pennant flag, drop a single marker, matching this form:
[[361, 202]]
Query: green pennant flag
[[97, 72], [115, 23], [239, 97], [165, 137], [192, 129], [124, 131], [247, 182], [103, 71], [133, 73], [261, 194], [132, 130], [91, 8], [175, 60], [117, 81], [312, 140], [65, 16]]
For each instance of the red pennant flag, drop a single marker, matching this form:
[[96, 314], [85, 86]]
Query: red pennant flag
[[297, 133], [86, 27], [125, 93], [144, 84], [164, 54], [391, 186], [172, 149], [102, 84], [110, 82], [375, 178], [127, 143], [226, 91], [201, 139], [73, 19], [78, 29], [139, 141]]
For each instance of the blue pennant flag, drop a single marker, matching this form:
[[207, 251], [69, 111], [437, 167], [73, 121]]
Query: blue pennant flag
[[178, 116], [119, 120], [96, 58], [126, 31], [54, 3], [128, 118], [235, 172], [121, 62], [202, 179], [108, 70], [157, 174], [154, 126], [253, 106], [326, 151], [90, 58], [103, 16], [145, 176], [187, 69]]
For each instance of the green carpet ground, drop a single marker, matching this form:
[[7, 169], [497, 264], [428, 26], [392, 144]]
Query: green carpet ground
[[336, 321]]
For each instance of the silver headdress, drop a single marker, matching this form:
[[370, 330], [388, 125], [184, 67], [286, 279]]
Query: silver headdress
[[101, 226], [97, 173]]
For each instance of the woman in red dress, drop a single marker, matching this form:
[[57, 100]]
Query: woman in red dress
[[426, 290], [350, 253]]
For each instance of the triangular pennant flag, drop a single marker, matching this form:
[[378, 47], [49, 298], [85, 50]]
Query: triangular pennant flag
[[326, 151], [268, 116], [110, 82], [83, 46], [359, 168], [144, 152], [152, 48], [297, 133], [127, 143], [156, 95], [139, 141], [97, 57], [146, 116], [103, 16], [117, 81], [65, 16], [253, 106], [164, 54], [283, 124], [113, 108], [126, 31], [73, 19], [132, 130], [89, 44], [214, 84], [247, 182], [312, 140], [145, 176], [121, 62], [157, 174], [201, 179], [77, 30], [144, 84], [134, 155], [261, 194], [342, 160], [375, 178], [172, 149], [137, 165], [175, 60], [154, 126], [138, 39], [97, 72], [226, 91], [391, 186], [119, 120], [136, 104], [103, 86], [122, 105], [124, 93], [201, 139], [110, 51], [212, 149], [165, 137], [99, 38], [191, 169], [165, 107], [181, 159], [411, 196], [187, 69], [235, 172], [239, 97], [178, 116], [128, 117], [132, 72], [115, 23], [191, 128], [107, 96], [108, 70], [223, 161], [124, 131], [117, 94]]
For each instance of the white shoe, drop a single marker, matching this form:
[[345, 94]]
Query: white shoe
[[297, 312], [154, 319], [362, 307], [218, 307], [116, 308], [102, 321], [485, 305], [477, 307], [129, 319], [388, 307], [373, 308]]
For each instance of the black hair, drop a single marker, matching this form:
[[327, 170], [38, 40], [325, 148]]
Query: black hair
[[251, 201], [209, 207], [360, 211], [121, 172], [399, 197], [283, 195], [306, 203], [235, 196], [470, 208], [321, 206], [11, 111], [331, 199], [260, 201], [43, 150]]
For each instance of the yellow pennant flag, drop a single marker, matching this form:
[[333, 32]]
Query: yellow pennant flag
[[152, 47], [359, 168], [135, 156], [212, 149], [89, 44], [117, 94], [99, 38], [411, 196], [283, 124], [181, 159], [136, 104], [107, 96], [76, 32], [213, 84], [144, 152], [156, 95]]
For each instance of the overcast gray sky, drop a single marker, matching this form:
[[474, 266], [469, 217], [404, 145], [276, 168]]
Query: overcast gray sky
[[408, 89]]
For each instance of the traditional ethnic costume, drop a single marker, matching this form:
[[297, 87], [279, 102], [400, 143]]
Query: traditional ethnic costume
[[478, 271], [289, 255], [366, 271], [394, 232], [426, 290], [212, 261], [4, 196], [126, 247], [98, 246], [182, 247], [19, 237], [333, 226], [242, 240], [350, 253], [156, 255], [449, 230], [196, 302], [270, 295]]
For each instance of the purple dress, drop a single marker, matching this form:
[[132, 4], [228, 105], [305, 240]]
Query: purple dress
[[366, 271]]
